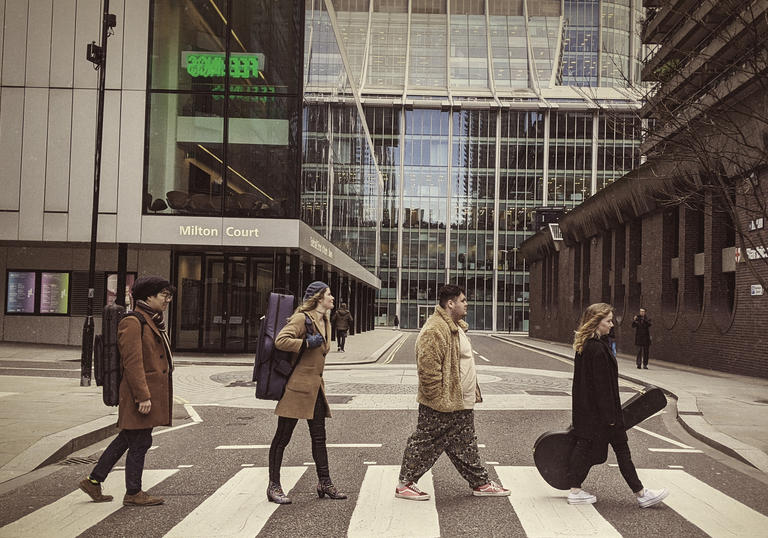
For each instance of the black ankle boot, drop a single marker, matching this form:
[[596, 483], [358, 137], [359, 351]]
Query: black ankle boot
[[276, 495], [330, 490]]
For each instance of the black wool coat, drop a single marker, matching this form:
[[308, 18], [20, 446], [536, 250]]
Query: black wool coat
[[642, 331], [595, 395]]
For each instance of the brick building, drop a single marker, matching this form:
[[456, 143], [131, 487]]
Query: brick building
[[682, 235]]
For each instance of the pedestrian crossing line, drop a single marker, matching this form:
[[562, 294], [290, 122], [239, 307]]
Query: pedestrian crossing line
[[73, 514], [378, 513], [543, 511], [677, 450], [329, 445], [659, 436], [709, 509], [238, 508]]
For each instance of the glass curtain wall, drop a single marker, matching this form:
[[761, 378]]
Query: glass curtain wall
[[223, 108], [582, 30], [570, 158], [618, 146]]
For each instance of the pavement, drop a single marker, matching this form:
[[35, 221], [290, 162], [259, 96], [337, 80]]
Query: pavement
[[45, 418]]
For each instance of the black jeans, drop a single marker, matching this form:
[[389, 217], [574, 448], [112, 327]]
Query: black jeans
[[642, 355], [341, 338], [581, 462], [282, 437], [136, 442]]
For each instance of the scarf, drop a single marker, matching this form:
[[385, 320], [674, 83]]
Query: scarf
[[159, 321]]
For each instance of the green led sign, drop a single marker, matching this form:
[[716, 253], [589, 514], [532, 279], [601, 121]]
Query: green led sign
[[212, 64]]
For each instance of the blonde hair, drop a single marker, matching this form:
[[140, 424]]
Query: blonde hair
[[311, 303], [588, 323]]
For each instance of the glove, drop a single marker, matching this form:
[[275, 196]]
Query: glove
[[314, 340]]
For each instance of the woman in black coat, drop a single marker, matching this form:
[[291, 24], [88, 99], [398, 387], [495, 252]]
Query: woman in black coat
[[597, 416]]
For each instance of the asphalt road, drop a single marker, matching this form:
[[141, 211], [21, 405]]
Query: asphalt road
[[210, 490]]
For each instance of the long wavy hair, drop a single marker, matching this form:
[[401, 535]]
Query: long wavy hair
[[588, 323], [311, 303]]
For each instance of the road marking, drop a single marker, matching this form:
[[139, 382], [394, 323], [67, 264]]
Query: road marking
[[184, 466], [329, 445], [475, 352], [480, 445], [712, 511], [308, 463], [394, 351], [491, 462], [247, 465], [658, 436], [237, 508], [369, 463], [73, 514], [154, 447], [192, 414], [4, 394], [543, 510], [379, 513], [677, 450], [675, 466], [486, 360]]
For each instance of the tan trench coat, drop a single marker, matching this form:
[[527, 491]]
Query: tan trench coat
[[146, 375], [307, 379]]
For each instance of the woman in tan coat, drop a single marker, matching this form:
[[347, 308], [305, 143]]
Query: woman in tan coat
[[146, 390], [307, 334]]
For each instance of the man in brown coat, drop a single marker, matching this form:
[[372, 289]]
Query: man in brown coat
[[448, 390], [146, 390]]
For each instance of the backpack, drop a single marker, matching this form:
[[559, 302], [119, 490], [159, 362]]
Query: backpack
[[273, 367], [107, 366]]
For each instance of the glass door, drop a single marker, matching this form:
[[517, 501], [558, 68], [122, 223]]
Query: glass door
[[236, 311], [261, 273], [215, 303]]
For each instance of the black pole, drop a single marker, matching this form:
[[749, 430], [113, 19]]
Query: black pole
[[122, 264], [97, 55]]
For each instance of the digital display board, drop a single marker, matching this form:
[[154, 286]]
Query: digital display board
[[54, 293], [21, 292]]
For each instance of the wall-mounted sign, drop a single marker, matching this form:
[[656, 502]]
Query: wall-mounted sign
[[54, 293], [21, 292], [212, 231], [200, 64], [757, 253], [756, 289], [756, 224]]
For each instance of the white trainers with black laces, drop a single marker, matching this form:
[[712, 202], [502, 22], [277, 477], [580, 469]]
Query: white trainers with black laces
[[581, 497], [651, 497]]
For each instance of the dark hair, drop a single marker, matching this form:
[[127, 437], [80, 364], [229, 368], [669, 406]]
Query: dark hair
[[449, 292], [149, 286]]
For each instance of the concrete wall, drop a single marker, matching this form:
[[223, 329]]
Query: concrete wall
[[48, 104], [686, 330]]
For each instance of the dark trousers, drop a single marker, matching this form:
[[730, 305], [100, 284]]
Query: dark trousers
[[581, 462], [341, 338], [642, 355], [136, 442], [438, 432], [282, 437]]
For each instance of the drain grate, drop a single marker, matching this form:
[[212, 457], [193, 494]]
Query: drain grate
[[79, 461]]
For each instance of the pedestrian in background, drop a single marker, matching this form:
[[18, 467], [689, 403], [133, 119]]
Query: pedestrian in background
[[397, 321], [146, 391], [642, 325], [596, 412], [447, 394], [304, 396], [342, 320]]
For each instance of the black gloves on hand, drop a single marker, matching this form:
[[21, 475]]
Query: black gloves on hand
[[314, 340]]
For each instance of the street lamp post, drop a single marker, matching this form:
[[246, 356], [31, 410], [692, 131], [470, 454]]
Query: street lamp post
[[98, 56]]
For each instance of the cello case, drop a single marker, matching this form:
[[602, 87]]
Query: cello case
[[552, 450]]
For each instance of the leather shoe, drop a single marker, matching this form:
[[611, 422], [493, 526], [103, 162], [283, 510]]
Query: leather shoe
[[94, 491], [330, 490], [275, 494], [142, 498]]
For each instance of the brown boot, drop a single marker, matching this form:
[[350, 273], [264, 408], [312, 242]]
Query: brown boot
[[94, 491], [142, 498]]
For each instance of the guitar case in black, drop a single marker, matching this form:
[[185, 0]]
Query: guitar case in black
[[552, 450]]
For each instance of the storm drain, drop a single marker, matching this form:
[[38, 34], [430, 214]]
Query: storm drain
[[79, 461]]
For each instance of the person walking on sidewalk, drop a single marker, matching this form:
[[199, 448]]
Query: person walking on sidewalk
[[146, 391], [447, 394], [342, 320], [397, 322], [304, 396], [642, 325], [596, 412]]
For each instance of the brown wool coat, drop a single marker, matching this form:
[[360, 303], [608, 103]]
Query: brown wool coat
[[438, 363], [146, 375], [307, 379]]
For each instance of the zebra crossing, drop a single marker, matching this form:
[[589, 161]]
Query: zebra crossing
[[238, 508]]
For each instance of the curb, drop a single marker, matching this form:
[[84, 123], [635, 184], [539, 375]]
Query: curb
[[690, 418]]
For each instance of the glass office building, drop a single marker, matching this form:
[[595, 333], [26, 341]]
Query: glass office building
[[434, 129]]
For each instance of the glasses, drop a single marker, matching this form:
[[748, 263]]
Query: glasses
[[165, 296]]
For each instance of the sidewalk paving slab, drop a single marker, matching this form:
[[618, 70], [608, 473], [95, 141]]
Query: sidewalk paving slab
[[726, 411]]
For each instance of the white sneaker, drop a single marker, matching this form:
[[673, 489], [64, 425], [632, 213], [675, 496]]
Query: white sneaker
[[651, 497], [582, 497]]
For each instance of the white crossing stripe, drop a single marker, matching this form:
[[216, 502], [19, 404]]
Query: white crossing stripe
[[676, 450], [543, 510], [239, 507], [378, 513], [329, 445], [73, 514], [659, 436], [709, 509]]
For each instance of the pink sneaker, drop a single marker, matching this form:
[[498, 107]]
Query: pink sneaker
[[491, 489], [411, 492]]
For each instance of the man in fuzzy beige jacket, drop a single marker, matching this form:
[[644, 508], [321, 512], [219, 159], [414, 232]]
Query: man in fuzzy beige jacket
[[448, 391]]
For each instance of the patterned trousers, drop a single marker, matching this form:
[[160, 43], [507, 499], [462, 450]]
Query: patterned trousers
[[437, 432]]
